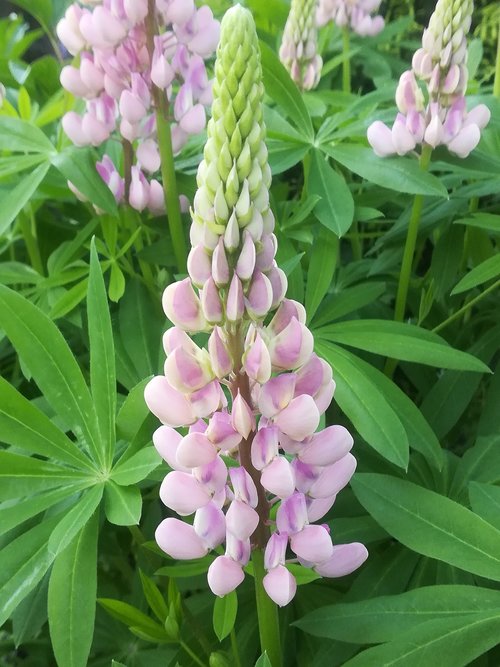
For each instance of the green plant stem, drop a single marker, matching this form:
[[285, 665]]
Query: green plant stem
[[28, 229], [466, 307], [357, 251], [191, 654], [234, 647], [346, 62], [496, 83], [164, 137], [267, 613], [408, 254]]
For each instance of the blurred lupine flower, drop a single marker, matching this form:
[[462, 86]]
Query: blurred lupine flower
[[256, 392], [118, 65], [354, 14], [298, 51], [3, 93], [440, 63]]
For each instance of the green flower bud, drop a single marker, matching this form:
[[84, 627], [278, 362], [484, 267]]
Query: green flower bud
[[298, 51]]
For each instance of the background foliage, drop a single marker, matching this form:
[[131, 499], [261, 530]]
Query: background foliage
[[80, 331]]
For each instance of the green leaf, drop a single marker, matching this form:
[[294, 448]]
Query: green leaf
[[14, 513], [23, 475], [72, 597], [347, 301], [31, 614], [285, 93], [395, 173], [372, 415], [263, 661], [20, 136], [78, 166], [18, 163], [75, 519], [43, 349], [23, 564], [480, 274], [15, 200], [154, 598], [131, 616], [321, 270], [284, 155], [26, 427], [457, 642], [136, 468], [335, 210], [186, 570], [487, 221], [485, 501], [383, 618], [400, 341], [132, 412], [302, 575], [224, 616], [431, 524], [15, 272], [123, 504], [69, 299], [102, 356]]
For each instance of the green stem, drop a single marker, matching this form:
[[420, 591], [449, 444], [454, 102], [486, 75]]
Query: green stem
[[267, 613], [408, 253], [346, 62], [192, 654], [496, 83], [234, 646], [466, 307], [357, 251], [28, 229], [167, 156]]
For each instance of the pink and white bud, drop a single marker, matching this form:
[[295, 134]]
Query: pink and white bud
[[241, 519], [286, 312], [292, 347], [195, 450], [334, 477], [380, 139], [345, 559], [72, 81], [224, 575], [235, 304], [179, 540], [276, 394], [207, 400], [210, 524], [243, 486], [169, 405], [212, 476], [219, 354], [292, 514], [182, 306], [327, 447], [221, 433], [186, 372], [259, 299], [220, 267], [211, 303], [275, 553], [465, 141], [312, 544], [148, 155], [278, 477], [318, 507], [199, 265], [166, 441], [242, 417], [279, 583], [72, 125], [139, 190], [257, 360], [183, 493], [265, 446], [246, 261], [299, 419]]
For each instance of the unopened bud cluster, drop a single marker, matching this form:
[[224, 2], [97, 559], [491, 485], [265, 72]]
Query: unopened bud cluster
[[119, 62], [440, 117], [298, 51], [253, 397], [354, 14]]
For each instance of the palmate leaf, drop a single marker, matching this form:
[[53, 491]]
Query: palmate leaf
[[431, 524], [75, 519], [383, 618], [43, 349], [335, 210], [72, 597]]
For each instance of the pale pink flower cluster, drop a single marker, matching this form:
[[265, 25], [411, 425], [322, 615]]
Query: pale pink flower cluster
[[355, 14], [441, 65], [119, 60]]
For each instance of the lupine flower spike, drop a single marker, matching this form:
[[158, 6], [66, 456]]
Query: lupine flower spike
[[298, 51], [440, 117], [252, 399], [357, 15], [119, 62]]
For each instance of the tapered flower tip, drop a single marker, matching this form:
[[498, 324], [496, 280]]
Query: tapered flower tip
[[380, 138], [278, 477], [292, 347], [236, 19], [280, 585], [292, 514], [210, 524], [243, 419], [182, 306], [166, 440], [265, 446], [241, 519], [243, 486], [299, 419], [257, 360], [334, 477], [195, 450], [327, 446], [221, 432], [312, 544], [224, 575], [183, 493], [283, 316], [345, 559], [169, 405], [275, 552], [179, 540]]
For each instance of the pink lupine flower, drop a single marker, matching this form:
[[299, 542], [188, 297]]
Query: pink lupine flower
[[116, 76], [441, 65], [257, 444], [355, 14]]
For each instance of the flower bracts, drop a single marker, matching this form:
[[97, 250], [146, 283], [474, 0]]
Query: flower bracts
[[253, 397], [439, 117]]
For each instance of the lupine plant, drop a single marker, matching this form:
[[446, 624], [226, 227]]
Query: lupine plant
[[291, 457]]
